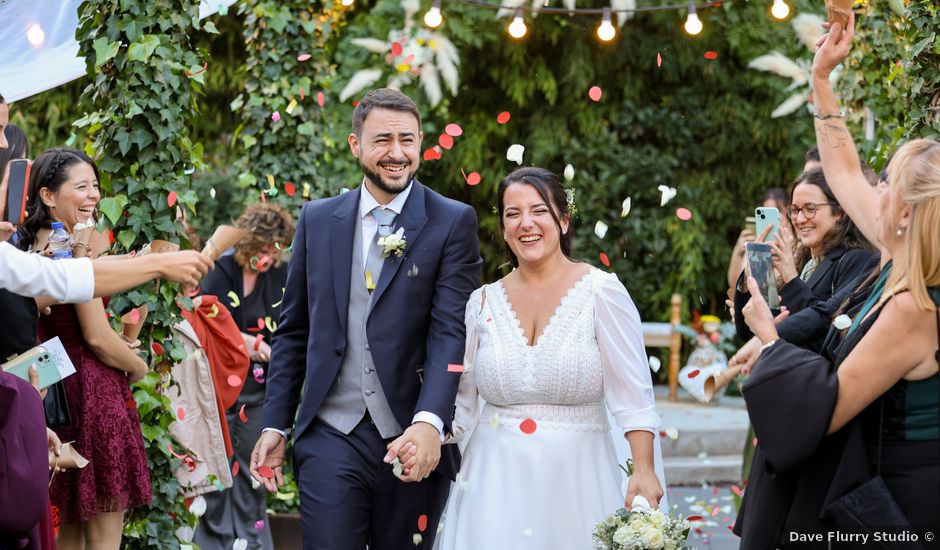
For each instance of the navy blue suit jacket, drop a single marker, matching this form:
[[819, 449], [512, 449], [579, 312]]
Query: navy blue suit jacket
[[416, 326]]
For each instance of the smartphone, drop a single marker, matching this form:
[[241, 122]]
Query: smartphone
[[16, 191], [764, 216], [45, 365], [760, 265]]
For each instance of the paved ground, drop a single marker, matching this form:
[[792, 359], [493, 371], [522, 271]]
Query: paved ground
[[716, 506]]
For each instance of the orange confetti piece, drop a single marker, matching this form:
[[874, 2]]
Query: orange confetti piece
[[321, 99], [266, 472], [241, 414], [528, 426], [473, 178], [595, 93], [235, 468], [453, 130], [258, 339], [503, 117], [290, 189], [694, 373], [711, 55], [605, 260], [445, 141], [171, 199], [205, 66], [397, 49], [303, 57], [234, 380], [422, 522], [454, 368], [180, 413]]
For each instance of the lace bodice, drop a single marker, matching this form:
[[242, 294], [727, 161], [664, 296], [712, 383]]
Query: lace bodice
[[591, 349]]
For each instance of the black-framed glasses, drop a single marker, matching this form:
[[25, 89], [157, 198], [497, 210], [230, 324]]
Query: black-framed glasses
[[809, 209]]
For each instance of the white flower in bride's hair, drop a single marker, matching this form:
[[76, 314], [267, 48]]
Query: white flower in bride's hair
[[393, 244]]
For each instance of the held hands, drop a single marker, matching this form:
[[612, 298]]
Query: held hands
[[833, 48], [418, 450], [269, 455], [644, 483]]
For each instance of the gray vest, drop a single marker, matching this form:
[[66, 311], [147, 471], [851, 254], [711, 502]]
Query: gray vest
[[357, 388]]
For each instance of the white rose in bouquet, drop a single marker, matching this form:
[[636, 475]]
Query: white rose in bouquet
[[654, 538], [625, 535]]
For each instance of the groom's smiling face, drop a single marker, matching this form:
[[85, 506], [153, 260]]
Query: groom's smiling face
[[388, 149]]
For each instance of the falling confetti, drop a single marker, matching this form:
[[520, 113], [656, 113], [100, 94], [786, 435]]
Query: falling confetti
[[422, 522], [397, 49], [235, 468], [303, 57], [605, 260], [600, 229], [180, 413], [711, 55], [234, 297], [659, 59], [276, 116], [453, 130], [258, 339], [259, 525], [416, 538], [264, 262], [569, 172], [240, 544], [672, 433], [306, 192], [290, 189], [625, 207], [737, 490], [454, 368], [321, 99], [205, 66], [842, 322], [684, 214], [171, 199], [503, 117], [234, 380], [291, 106], [595, 93], [258, 373], [668, 193], [473, 178], [446, 141], [528, 426], [198, 506], [157, 348], [212, 192], [655, 364], [241, 414], [515, 152]]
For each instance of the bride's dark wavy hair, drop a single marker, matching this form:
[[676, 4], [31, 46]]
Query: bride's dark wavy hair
[[49, 170], [549, 187]]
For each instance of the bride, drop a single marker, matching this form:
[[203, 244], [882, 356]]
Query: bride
[[547, 346]]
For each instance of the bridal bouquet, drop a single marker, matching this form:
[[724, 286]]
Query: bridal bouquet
[[641, 529]]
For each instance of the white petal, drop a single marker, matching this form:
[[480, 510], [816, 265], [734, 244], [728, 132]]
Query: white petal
[[240, 544], [198, 506], [668, 193], [600, 229], [842, 322], [569, 172], [655, 364], [514, 153], [625, 207], [672, 433]]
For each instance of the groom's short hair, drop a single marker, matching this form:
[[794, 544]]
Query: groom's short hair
[[383, 98]]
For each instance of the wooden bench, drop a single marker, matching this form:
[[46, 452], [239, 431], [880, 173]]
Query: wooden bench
[[664, 335]]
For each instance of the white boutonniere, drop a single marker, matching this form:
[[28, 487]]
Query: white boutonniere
[[393, 244]]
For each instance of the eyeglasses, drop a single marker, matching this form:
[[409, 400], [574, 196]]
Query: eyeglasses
[[809, 209]]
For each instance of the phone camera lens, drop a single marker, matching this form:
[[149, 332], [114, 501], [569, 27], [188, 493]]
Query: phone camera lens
[[762, 216]]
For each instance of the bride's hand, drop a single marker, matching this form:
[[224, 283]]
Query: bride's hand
[[646, 484]]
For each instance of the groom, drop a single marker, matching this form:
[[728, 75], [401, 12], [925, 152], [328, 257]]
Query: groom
[[368, 332]]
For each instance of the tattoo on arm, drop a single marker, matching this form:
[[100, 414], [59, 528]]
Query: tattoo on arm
[[832, 135]]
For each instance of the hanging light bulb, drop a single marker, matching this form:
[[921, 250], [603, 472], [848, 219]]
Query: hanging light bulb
[[606, 30], [433, 17], [347, 2], [517, 28], [35, 35], [780, 9], [693, 25]]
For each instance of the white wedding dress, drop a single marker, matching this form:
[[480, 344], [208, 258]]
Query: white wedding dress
[[546, 489]]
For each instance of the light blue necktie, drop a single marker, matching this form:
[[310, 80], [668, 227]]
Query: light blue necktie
[[374, 260]]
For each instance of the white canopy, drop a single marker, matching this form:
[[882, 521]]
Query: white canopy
[[38, 49]]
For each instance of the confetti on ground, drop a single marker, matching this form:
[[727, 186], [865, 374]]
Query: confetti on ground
[[659, 59], [684, 214], [694, 373], [503, 117], [595, 93], [625, 207], [446, 141], [171, 199], [515, 152], [234, 297], [453, 130], [276, 116], [528, 426], [454, 368], [180, 413], [569, 172], [234, 380], [303, 57], [241, 414], [842, 322], [266, 472], [235, 468], [605, 260], [198, 506], [259, 525], [422, 522], [600, 229], [668, 193], [290, 189], [157, 348], [655, 364], [711, 55], [473, 178], [212, 192]]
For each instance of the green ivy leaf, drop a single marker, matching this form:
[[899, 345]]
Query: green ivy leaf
[[142, 50], [113, 207], [105, 50]]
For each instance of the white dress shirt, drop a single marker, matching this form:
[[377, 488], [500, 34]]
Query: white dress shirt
[[69, 281]]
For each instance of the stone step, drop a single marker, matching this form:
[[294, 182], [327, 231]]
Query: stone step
[[682, 470], [716, 429]]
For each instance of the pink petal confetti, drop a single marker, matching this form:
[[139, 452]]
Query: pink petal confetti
[[264, 262], [258, 339], [266, 472], [276, 116], [258, 373], [303, 57], [409, 59], [290, 189], [397, 49], [241, 414], [473, 178], [737, 490], [605, 260], [659, 60], [171, 199], [454, 368], [503, 117], [428, 155], [694, 373], [321, 99], [234, 380], [684, 214], [157, 348], [595, 93], [528, 426], [445, 141], [754, 443], [711, 55], [263, 200], [259, 525], [422, 522], [235, 468], [180, 413], [715, 511], [302, 93], [453, 130]]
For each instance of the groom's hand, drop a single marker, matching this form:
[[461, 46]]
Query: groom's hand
[[420, 446], [269, 452]]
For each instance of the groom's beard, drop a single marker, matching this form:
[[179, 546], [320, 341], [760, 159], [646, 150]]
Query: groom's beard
[[386, 186]]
